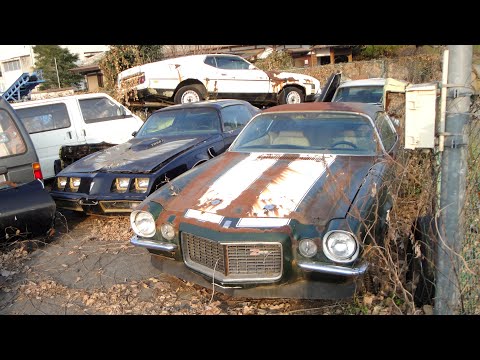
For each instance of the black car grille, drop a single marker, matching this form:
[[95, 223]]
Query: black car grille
[[233, 262]]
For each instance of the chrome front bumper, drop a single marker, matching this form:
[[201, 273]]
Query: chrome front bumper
[[334, 269], [153, 245]]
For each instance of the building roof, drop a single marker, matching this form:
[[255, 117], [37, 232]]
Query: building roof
[[90, 64]]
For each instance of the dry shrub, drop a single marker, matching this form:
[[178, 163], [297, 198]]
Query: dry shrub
[[275, 61]]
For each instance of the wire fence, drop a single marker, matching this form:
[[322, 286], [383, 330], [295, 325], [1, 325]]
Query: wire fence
[[470, 271]]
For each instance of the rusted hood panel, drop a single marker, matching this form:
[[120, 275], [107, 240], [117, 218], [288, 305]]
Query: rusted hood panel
[[309, 188], [137, 155]]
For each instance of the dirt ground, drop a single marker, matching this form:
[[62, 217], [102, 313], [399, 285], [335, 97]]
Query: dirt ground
[[90, 267]]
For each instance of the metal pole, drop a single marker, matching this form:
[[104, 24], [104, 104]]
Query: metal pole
[[56, 68], [453, 187]]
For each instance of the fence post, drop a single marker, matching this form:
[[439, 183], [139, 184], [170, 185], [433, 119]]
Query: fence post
[[453, 181]]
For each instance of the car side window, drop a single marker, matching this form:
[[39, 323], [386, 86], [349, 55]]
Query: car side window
[[210, 60], [235, 116], [386, 130], [100, 109], [44, 118], [11, 142], [231, 63]]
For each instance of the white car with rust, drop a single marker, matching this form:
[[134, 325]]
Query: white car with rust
[[215, 76]]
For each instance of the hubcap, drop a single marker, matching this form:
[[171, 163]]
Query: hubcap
[[293, 97], [190, 96]]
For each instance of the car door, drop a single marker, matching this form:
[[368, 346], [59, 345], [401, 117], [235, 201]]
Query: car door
[[50, 125], [326, 95], [237, 78]]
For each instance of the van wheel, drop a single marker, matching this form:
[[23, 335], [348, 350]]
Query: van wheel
[[291, 95], [188, 94]]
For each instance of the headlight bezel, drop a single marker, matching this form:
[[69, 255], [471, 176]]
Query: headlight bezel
[[138, 188], [71, 182], [133, 223], [331, 255], [117, 184], [59, 186]]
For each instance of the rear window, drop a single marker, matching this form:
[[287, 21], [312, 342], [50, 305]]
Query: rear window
[[100, 109], [362, 94], [44, 118], [11, 141]]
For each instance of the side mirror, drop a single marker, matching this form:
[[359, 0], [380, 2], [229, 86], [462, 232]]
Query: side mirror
[[134, 133], [252, 67]]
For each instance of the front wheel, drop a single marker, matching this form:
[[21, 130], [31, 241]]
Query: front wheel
[[188, 94], [291, 95]]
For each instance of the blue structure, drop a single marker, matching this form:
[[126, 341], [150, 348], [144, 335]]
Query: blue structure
[[23, 85]]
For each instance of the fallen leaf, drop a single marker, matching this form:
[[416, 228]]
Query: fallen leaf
[[367, 300]]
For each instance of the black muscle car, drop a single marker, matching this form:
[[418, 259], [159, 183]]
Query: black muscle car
[[171, 141]]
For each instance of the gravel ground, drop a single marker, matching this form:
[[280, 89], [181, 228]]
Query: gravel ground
[[89, 267]]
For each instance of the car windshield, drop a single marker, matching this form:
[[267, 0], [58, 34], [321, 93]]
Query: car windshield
[[362, 94], [309, 132], [175, 122]]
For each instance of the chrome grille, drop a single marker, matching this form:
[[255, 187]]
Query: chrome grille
[[233, 262]]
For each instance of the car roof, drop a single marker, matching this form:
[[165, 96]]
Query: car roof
[[367, 109], [216, 104], [364, 82]]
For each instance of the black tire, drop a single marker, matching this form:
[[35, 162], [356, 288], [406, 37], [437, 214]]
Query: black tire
[[291, 95], [188, 93]]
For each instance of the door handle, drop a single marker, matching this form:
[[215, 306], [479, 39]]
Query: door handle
[[69, 133], [3, 170], [84, 132]]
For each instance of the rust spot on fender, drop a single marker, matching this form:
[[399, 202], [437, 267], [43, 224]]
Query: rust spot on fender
[[278, 82]]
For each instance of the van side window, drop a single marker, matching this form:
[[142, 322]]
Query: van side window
[[44, 118], [100, 109], [11, 141]]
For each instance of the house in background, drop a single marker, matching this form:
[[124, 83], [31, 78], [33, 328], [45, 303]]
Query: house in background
[[91, 71], [18, 59]]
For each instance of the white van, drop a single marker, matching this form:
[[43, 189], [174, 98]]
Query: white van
[[74, 120]]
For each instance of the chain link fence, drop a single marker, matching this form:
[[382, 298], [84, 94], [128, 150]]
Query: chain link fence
[[470, 271]]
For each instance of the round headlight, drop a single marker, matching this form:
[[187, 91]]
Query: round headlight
[[340, 246], [307, 248], [142, 223], [168, 231]]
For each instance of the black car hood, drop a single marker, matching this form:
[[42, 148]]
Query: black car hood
[[138, 155]]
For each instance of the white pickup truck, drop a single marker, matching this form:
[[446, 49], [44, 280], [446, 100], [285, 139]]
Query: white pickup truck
[[216, 76]]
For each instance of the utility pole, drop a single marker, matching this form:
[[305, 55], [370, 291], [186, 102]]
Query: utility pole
[[453, 183], [56, 68]]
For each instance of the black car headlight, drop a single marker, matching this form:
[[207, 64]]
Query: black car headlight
[[121, 184], [340, 246], [141, 184], [74, 183], [61, 182], [142, 223]]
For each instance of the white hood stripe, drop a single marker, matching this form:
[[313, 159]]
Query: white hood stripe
[[234, 182], [291, 186]]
